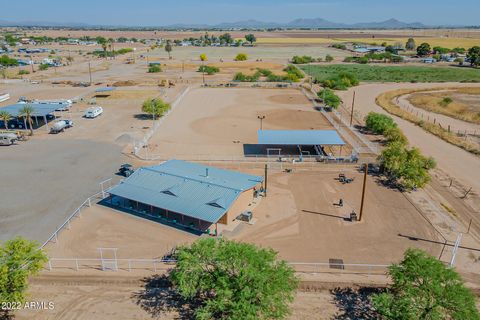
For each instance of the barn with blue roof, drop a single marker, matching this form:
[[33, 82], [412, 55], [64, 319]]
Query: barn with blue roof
[[187, 194]]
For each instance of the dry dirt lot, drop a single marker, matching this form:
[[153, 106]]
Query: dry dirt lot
[[217, 122], [52, 174]]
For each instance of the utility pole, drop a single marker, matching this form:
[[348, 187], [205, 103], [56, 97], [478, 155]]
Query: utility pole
[[363, 190], [261, 121], [353, 104], [90, 72], [266, 176]]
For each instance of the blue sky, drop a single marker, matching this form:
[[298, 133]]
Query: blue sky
[[164, 12]]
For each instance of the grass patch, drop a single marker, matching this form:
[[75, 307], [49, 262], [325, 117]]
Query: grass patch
[[449, 209], [447, 103], [385, 101], [394, 73]]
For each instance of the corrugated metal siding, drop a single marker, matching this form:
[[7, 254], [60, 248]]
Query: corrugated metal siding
[[39, 109], [192, 188], [300, 137]]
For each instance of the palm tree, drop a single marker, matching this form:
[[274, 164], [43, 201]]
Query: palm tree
[[26, 112], [168, 48], [5, 117]]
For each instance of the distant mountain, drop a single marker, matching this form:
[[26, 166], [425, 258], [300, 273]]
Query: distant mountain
[[315, 23], [388, 24]]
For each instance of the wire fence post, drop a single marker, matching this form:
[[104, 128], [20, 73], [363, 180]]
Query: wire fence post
[[76, 264]]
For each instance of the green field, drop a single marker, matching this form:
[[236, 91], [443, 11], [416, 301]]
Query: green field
[[374, 73]]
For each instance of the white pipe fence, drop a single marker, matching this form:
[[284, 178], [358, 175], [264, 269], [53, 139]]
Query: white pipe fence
[[156, 265], [143, 143], [77, 212]]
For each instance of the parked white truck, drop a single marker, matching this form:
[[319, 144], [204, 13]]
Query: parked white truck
[[7, 139], [61, 125], [93, 112]]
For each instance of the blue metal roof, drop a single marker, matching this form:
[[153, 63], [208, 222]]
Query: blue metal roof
[[185, 188], [39, 109], [105, 89], [300, 137]]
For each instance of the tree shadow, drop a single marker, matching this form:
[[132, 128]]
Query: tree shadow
[[158, 298], [355, 304], [6, 315]]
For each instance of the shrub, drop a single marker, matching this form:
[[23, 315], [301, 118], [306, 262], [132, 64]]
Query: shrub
[[6, 61], [208, 69], [379, 123], [342, 81], [264, 72], [328, 58], [446, 101], [395, 134], [291, 69], [340, 46], [22, 72], [330, 99], [240, 77], [154, 69], [302, 59], [241, 57], [43, 66]]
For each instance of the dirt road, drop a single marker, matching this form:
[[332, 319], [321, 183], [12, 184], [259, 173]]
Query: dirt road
[[456, 162]]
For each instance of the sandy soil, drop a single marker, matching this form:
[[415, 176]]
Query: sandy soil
[[453, 160], [127, 298], [219, 121]]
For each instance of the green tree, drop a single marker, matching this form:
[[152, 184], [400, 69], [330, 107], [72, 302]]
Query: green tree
[[43, 67], [19, 259], [408, 167], [5, 116], [155, 107], [241, 57], [424, 288], [424, 49], [379, 123], [234, 280], [154, 69], [410, 45], [328, 58], [330, 99], [169, 48], [27, 111], [473, 56], [6, 61], [250, 38], [226, 37]]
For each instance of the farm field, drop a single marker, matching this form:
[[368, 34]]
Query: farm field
[[407, 73]]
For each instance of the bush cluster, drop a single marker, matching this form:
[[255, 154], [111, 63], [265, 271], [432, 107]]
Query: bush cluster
[[341, 81], [402, 164], [6, 61], [241, 57], [339, 46], [302, 59], [329, 98], [208, 69], [293, 75], [154, 69]]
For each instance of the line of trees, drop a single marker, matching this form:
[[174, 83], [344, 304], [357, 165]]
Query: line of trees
[[403, 165]]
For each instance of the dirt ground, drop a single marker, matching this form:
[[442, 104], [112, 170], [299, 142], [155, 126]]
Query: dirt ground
[[127, 298], [302, 226], [217, 122]]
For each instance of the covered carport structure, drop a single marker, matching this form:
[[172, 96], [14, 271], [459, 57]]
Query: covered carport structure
[[40, 110], [294, 142]]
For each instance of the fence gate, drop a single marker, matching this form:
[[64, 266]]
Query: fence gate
[[274, 156], [108, 257]]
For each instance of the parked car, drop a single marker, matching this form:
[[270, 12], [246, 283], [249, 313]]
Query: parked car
[[61, 125], [126, 170], [93, 112], [7, 139]]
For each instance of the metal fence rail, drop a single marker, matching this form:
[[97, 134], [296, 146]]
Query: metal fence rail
[[156, 265], [76, 213], [141, 144]]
